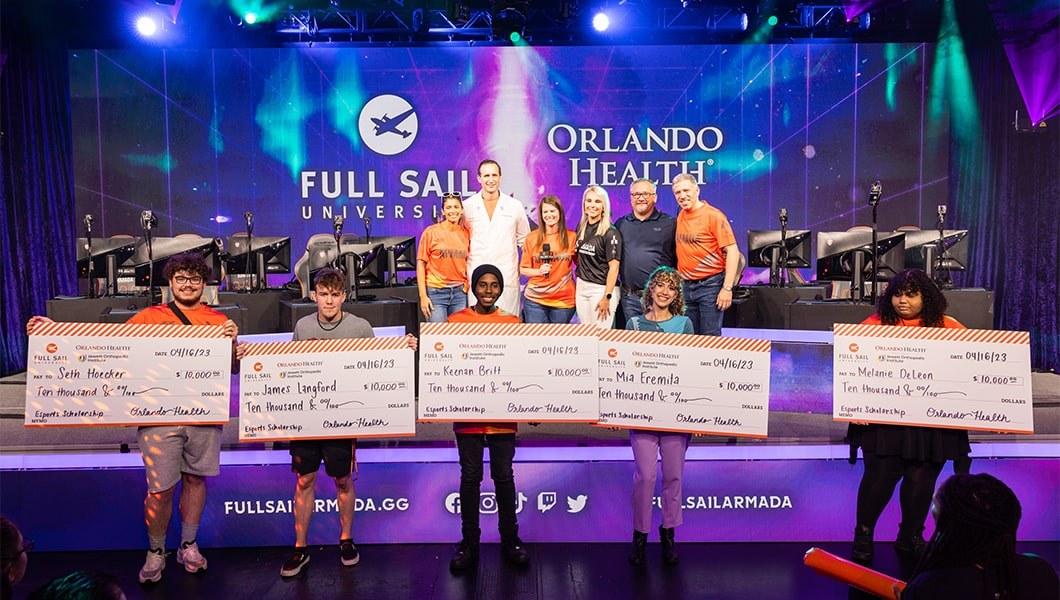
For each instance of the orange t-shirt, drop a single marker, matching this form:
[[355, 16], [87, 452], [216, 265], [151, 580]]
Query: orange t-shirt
[[557, 289], [468, 315], [160, 314], [701, 234], [443, 250], [947, 322]]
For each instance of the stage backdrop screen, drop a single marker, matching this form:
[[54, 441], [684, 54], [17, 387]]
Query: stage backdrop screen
[[299, 135]]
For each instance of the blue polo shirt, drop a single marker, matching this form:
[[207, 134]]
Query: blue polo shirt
[[646, 245]]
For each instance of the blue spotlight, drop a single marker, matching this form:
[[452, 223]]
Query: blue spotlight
[[147, 26], [601, 21]]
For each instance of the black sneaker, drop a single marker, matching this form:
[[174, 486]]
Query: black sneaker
[[294, 565], [465, 556], [514, 551], [348, 552]]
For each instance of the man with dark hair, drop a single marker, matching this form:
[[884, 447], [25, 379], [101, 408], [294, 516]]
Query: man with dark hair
[[498, 226], [329, 322], [174, 454], [647, 243]]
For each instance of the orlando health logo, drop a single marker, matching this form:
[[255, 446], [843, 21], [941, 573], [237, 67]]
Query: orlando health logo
[[388, 124]]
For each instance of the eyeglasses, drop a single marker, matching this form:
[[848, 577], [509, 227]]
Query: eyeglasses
[[448, 195], [641, 195], [27, 547], [181, 280]]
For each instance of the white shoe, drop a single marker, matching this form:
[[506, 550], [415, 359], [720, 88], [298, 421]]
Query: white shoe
[[189, 556], [152, 569]]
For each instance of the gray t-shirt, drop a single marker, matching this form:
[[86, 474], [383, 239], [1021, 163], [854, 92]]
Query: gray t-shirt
[[350, 326]]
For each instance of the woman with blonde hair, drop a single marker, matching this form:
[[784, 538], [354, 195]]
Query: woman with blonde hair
[[548, 260], [599, 250]]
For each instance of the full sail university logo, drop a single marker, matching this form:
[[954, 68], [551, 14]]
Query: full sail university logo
[[388, 124]]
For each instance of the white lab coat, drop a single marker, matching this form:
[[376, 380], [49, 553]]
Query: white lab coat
[[497, 242]]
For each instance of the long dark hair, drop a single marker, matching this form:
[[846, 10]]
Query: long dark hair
[[913, 280], [536, 238], [976, 524]]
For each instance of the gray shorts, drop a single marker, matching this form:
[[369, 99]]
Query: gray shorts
[[170, 450]]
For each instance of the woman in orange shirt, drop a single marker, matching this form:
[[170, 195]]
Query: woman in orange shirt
[[548, 255], [912, 454], [441, 262]]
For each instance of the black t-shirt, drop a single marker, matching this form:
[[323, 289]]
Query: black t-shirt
[[595, 251], [1035, 579]]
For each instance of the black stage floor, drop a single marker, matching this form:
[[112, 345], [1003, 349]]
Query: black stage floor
[[756, 571]]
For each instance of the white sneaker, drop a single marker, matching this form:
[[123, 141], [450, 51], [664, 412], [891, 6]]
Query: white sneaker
[[189, 556], [152, 569]]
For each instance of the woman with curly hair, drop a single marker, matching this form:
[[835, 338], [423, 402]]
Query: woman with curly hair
[[972, 554], [911, 454], [664, 303]]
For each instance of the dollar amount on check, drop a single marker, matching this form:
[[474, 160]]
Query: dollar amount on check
[[691, 383], [319, 389], [956, 378], [120, 374], [508, 372]]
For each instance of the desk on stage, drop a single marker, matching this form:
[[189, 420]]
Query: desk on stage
[[973, 307]]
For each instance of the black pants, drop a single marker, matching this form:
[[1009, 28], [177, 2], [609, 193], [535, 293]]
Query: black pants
[[502, 451], [877, 486]]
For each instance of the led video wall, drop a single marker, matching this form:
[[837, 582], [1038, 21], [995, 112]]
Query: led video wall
[[299, 135]]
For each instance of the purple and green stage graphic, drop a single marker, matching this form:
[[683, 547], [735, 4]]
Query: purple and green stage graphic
[[564, 494], [297, 136]]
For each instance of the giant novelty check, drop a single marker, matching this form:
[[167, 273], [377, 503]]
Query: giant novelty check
[[956, 378], [692, 383], [121, 374], [319, 389], [508, 372]]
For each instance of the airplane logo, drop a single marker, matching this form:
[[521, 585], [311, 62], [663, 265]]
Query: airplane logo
[[387, 124], [388, 114]]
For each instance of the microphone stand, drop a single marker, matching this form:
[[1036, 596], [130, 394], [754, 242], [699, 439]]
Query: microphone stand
[[874, 201], [147, 219], [943, 280], [88, 238], [781, 269], [250, 250]]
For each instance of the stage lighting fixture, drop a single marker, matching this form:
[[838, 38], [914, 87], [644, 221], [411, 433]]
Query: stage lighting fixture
[[509, 19], [147, 26], [601, 21], [772, 20], [250, 18]]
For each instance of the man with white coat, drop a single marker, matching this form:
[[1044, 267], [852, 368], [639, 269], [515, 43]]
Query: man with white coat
[[498, 227]]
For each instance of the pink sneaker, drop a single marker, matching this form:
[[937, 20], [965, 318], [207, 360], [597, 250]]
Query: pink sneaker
[[189, 556]]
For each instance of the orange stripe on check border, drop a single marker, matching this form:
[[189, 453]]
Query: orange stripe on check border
[[686, 340], [128, 330], [933, 333], [509, 329], [319, 346]]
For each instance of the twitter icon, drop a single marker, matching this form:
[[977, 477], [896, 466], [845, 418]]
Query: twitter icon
[[577, 504]]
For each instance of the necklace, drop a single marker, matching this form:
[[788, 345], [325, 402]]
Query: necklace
[[332, 328]]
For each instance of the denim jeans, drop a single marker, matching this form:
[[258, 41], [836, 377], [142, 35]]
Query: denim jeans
[[539, 313], [631, 305], [502, 452], [701, 304], [446, 302]]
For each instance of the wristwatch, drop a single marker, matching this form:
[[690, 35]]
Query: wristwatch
[[608, 296], [727, 288]]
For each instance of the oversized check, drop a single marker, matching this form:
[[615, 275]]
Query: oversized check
[[121, 374], [508, 372], [677, 382], [319, 389], [956, 378]]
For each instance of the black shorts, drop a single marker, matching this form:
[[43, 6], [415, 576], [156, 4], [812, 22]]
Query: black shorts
[[336, 454]]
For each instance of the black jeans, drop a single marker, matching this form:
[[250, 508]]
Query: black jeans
[[502, 451], [882, 473]]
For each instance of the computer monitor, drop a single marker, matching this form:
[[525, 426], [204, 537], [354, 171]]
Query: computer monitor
[[764, 249], [273, 252], [918, 244], [400, 254], [839, 251], [164, 248], [108, 257], [371, 260]]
